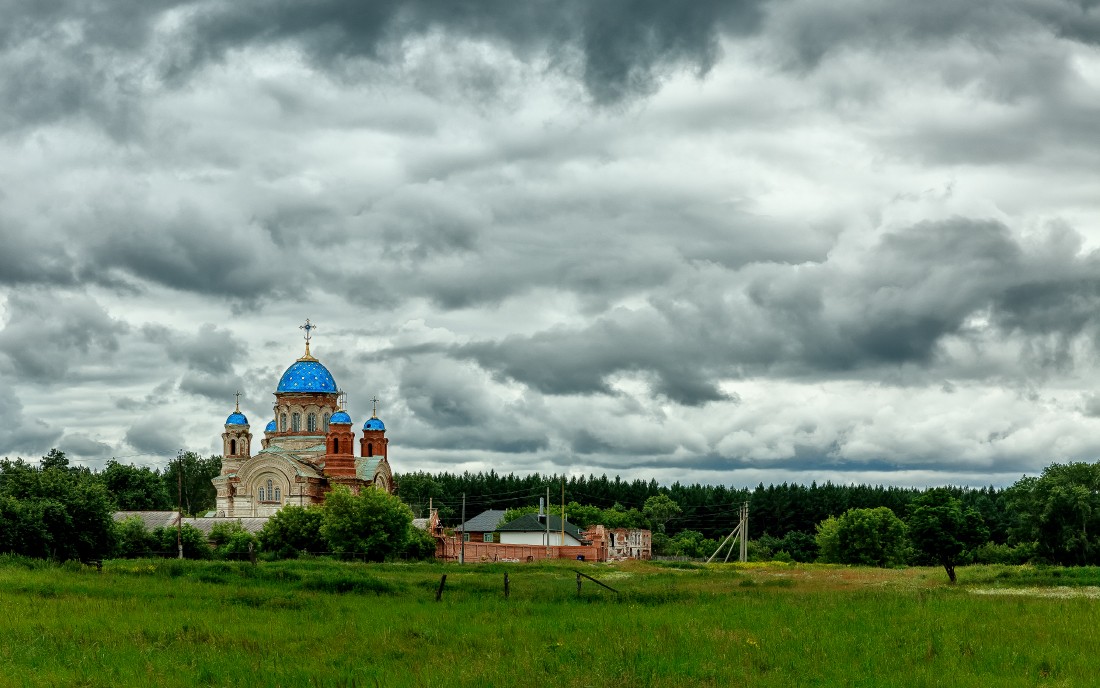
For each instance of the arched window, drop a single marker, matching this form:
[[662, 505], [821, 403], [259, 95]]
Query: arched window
[[233, 447], [261, 494], [311, 422], [324, 422], [278, 495], [295, 422], [335, 445], [270, 492], [282, 423], [370, 449]]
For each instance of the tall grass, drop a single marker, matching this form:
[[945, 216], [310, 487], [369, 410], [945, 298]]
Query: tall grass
[[324, 623]]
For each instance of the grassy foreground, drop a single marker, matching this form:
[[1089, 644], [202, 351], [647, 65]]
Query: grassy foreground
[[323, 623]]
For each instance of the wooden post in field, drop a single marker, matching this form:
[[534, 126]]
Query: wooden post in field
[[506, 586], [439, 593], [578, 582]]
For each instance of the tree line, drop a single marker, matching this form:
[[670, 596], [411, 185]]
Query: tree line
[[56, 510], [1051, 518]]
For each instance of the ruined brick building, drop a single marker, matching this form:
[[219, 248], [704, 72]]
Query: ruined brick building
[[308, 447]]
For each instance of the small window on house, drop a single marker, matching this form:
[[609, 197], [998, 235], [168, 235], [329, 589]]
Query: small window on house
[[465, 537], [295, 422], [282, 423], [488, 537], [324, 422], [311, 422]]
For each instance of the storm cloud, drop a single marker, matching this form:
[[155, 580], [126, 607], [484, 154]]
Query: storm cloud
[[722, 241]]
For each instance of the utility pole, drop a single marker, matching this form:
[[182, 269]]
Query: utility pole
[[548, 521], [742, 534], [462, 551], [562, 511], [179, 502], [745, 532]]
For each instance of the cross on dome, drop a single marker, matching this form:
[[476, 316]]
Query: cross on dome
[[308, 327], [374, 408], [238, 395]]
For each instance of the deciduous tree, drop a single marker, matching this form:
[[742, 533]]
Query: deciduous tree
[[373, 523], [943, 529]]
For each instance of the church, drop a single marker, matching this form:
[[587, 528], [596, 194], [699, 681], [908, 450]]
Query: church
[[308, 447]]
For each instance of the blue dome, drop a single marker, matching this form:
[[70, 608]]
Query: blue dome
[[270, 426], [236, 418], [307, 376], [340, 418], [374, 424]]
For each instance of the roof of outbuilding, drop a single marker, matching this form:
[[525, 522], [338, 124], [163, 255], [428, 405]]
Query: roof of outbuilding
[[151, 519], [486, 521], [252, 524], [530, 523]]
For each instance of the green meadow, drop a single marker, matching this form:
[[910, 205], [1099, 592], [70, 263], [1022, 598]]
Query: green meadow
[[328, 623]]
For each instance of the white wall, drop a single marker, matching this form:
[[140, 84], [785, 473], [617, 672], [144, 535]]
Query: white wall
[[536, 537]]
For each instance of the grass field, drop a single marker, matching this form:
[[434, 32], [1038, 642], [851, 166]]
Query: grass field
[[324, 623]]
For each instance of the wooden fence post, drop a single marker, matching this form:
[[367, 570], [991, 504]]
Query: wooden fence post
[[439, 593], [506, 586], [578, 583]]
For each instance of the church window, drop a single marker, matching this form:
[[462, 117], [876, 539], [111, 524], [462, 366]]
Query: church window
[[261, 494], [370, 449], [324, 422], [282, 423], [335, 445], [311, 422], [233, 447], [278, 495], [295, 422]]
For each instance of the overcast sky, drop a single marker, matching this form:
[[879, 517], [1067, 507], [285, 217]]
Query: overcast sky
[[726, 242]]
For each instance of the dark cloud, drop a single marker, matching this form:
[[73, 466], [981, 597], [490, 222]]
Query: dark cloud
[[83, 446], [22, 435], [210, 350], [156, 435], [622, 46], [32, 257], [913, 289], [808, 32], [187, 250], [50, 335]]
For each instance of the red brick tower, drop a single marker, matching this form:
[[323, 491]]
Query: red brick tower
[[340, 446], [374, 442]]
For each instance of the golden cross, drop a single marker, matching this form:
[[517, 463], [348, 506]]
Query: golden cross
[[238, 395]]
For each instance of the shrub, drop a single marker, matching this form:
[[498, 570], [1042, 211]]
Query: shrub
[[133, 539], [292, 531], [194, 542]]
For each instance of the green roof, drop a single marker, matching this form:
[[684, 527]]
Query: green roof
[[530, 523]]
